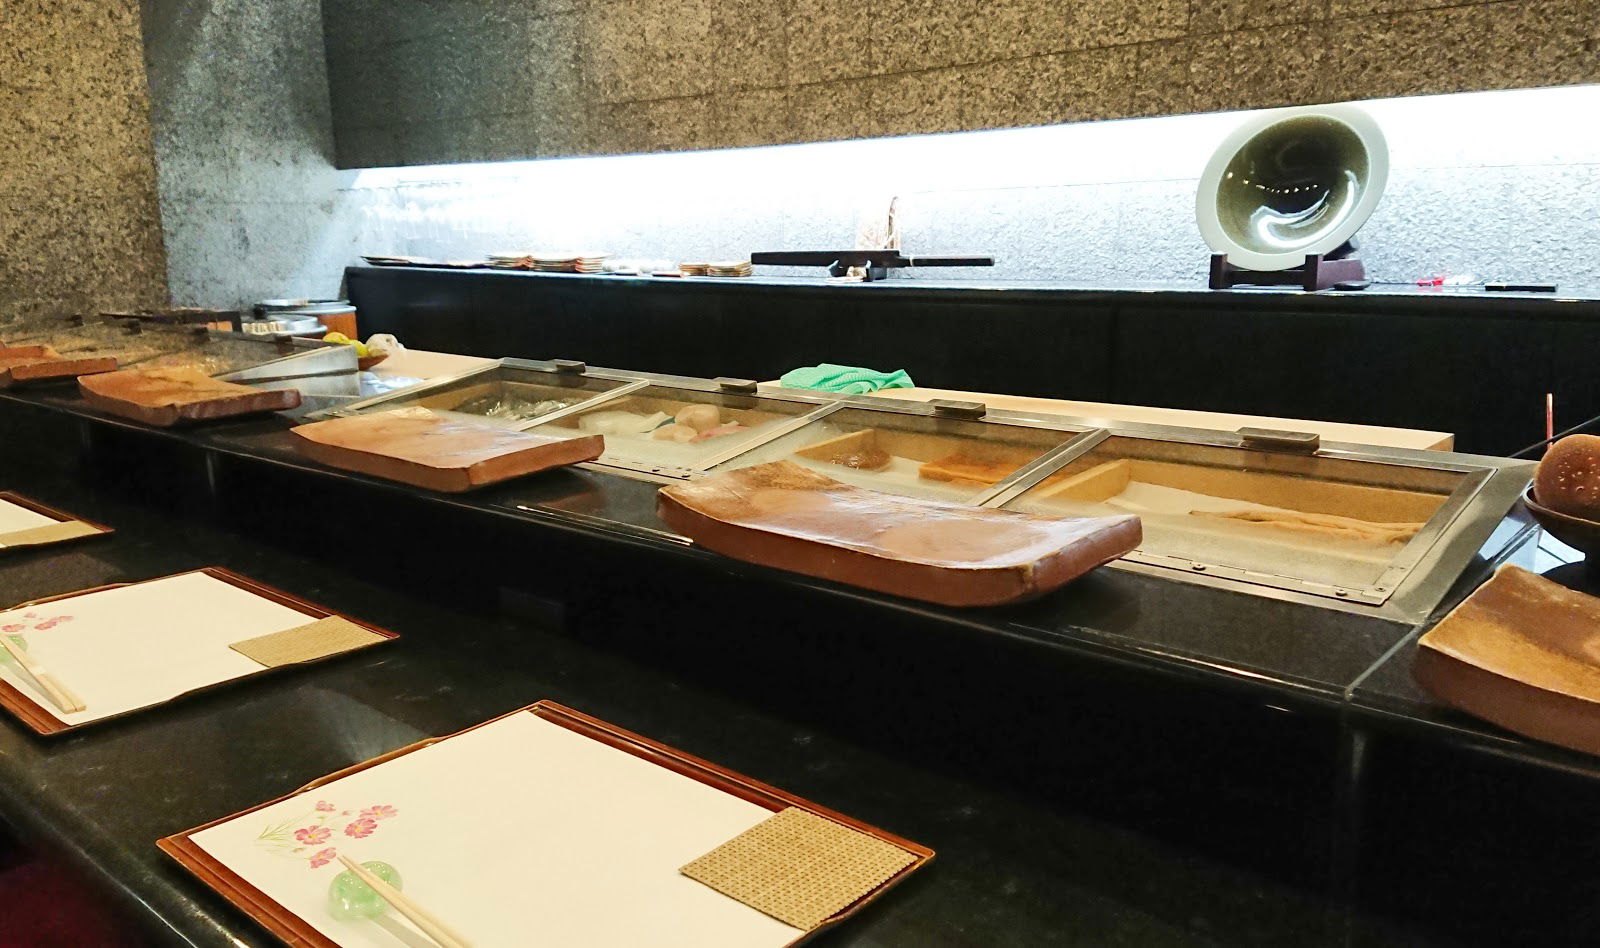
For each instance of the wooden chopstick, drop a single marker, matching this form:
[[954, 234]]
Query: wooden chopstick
[[402, 903], [58, 692]]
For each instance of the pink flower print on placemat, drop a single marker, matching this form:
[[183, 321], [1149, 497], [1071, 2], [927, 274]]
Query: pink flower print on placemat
[[363, 827], [312, 835], [294, 837], [52, 623]]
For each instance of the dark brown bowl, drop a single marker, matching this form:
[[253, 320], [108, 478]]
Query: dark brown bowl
[[1576, 532]]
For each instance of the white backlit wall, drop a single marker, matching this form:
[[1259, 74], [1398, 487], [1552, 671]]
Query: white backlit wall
[[1504, 185]]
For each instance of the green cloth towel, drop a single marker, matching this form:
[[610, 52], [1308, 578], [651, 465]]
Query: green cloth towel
[[845, 379]]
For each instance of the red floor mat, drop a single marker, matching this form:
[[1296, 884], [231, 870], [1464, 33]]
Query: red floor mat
[[44, 906]]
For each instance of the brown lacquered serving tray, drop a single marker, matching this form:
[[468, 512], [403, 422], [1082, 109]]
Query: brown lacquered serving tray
[[1523, 652], [59, 516], [296, 931], [42, 722], [790, 517], [418, 447], [172, 396]]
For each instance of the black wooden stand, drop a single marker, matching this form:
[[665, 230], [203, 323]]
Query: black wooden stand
[[1319, 272]]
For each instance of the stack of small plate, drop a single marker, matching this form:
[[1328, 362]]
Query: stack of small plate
[[694, 269], [391, 260], [569, 262], [731, 268], [512, 260]]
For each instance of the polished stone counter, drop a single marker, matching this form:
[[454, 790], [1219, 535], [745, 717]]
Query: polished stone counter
[[1287, 651], [1130, 760], [1025, 858]]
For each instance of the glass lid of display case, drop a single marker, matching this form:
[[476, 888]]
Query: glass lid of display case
[[510, 394], [1327, 525], [675, 431], [913, 453]]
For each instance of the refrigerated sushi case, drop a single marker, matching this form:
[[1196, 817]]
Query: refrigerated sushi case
[[1359, 528], [1279, 514], [1380, 530], [230, 356], [950, 451], [515, 393], [657, 427]]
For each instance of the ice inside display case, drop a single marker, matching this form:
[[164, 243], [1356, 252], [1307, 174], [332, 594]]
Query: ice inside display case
[[911, 454], [1314, 519], [503, 394], [673, 430]]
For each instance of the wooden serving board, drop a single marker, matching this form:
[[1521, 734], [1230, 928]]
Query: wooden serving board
[[164, 397], [787, 516], [418, 447], [1523, 652], [22, 364]]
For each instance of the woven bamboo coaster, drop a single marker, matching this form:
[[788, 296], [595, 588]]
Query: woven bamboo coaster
[[54, 533], [306, 643], [798, 867]]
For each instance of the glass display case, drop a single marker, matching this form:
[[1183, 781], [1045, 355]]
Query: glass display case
[[1307, 520], [677, 428], [913, 451], [1269, 513], [512, 392], [218, 353]]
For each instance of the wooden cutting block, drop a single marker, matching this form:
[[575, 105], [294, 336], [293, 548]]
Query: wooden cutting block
[[415, 446], [169, 396], [20, 364], [1524, 653], [790, 517]]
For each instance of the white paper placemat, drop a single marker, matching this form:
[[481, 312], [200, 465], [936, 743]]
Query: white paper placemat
[[135, 646], [520, 832], [14, 517]]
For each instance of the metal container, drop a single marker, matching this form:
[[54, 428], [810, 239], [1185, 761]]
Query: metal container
[[283, 324]]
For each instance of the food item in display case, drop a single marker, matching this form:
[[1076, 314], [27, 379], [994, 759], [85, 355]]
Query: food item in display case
[[617, 421], [1523, 652], [1327, 530], [1329, 525], [691, 424], [698, 417], [682, 434], [1568, 479], [506, 406], [21, 364], [910, 458], [168, 396], [791, 517], [963, 468], [426, 449]]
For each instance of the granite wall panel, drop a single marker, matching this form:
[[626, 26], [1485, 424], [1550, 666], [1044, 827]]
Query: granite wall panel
[[79, 226], [570, 77], [244, 146]]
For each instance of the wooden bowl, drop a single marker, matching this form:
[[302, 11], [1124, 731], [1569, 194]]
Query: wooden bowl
[[366, 362], [1576, 532]]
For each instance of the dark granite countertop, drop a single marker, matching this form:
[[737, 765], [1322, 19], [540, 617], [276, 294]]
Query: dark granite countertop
[[1017, 866], [1290, 651]]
